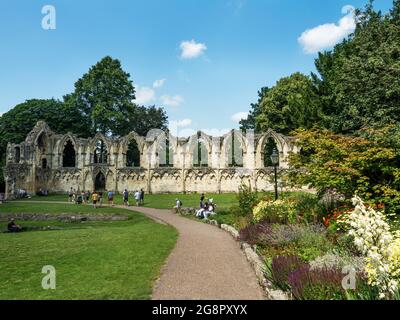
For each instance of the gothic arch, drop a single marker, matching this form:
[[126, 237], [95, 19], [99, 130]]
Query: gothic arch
[[196, 152], [229, 139]]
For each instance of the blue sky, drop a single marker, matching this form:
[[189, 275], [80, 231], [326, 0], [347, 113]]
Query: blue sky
[[210, 56]]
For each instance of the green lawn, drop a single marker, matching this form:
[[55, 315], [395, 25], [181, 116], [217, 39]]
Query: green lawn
[[162, 201], [93, 260]]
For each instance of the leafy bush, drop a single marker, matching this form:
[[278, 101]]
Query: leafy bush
[[279, 211], [225, 217], [308, 208], [247, 199], [281, 267]]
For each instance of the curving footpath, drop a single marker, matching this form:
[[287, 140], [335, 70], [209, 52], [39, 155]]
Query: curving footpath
[[206, 264]]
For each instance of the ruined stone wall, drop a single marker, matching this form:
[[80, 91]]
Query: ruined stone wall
[[216, 164]]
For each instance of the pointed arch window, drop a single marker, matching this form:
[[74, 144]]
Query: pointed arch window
[[133, 154], [69, 155], [200, 152], [234, 151], [100, 155], [17, 154], [269, 147], [166, 154]]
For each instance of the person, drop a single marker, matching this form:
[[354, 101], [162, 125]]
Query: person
[[110, 198], [200, 213], [88, 197], [137, 197], [202, 200], [79, 199], [74, 197], [83, 197], [95, 198], [100, 198], [12, 227], [70, 194], [178, 205], [125, 195], [141, 197]]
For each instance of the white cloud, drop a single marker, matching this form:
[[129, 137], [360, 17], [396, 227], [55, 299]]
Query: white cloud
[[325, 36], [144, 95], [239, 116], [175, 125], [172, 101], [191, 49], [158, 83]]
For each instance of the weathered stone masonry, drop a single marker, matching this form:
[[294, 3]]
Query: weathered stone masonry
[[200, 163]]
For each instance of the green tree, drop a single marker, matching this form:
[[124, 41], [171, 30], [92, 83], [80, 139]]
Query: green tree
[[104, 98], [358, 82], [291, 104], [367, 164], [105, 95]]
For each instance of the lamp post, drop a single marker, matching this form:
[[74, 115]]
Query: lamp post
[[275, 161]]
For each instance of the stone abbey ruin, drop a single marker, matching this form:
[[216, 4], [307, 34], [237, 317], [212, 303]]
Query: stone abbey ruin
[[158, 163]]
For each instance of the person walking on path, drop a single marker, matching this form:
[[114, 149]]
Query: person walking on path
[[110, 198], [125, 195], [141, 197], [95, 198], [137, 197]]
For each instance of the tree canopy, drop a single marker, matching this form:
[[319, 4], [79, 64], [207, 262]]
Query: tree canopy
[[356, 84]]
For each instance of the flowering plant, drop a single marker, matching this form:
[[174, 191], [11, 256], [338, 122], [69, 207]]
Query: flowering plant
[[278, 211], [380, 247]]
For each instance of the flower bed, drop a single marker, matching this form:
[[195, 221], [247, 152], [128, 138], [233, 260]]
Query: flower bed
[[351, 254]]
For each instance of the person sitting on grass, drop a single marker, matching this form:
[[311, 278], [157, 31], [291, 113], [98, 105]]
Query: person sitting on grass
[[12, 227], [95, 198]]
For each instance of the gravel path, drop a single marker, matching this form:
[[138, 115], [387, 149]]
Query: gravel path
[[206, 264]]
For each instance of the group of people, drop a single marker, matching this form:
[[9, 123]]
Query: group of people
[[138, 195], [97, 197], [207, 208]]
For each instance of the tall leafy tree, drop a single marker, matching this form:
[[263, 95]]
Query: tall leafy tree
[[105, 95], [358, 82], [291, 104]]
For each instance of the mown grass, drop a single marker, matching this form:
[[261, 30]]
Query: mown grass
[[93, 260], [161, 201]]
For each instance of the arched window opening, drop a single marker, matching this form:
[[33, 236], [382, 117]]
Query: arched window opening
[[100, 182], [69, 155], [200, 153], [42, 142], [44, 163], [269, 147], [166, 154], [234, 151], [133, 155], [100, 152], [17, 154]]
